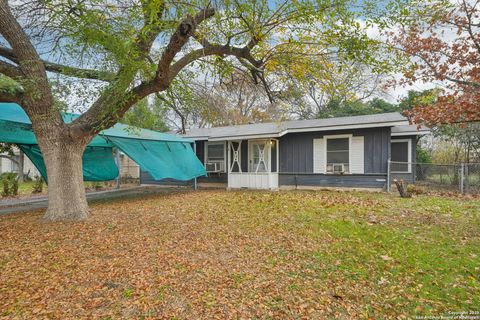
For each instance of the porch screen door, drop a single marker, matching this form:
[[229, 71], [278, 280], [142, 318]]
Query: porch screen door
[[259, 156]]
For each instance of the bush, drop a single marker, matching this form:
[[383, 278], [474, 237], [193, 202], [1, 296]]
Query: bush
[[423, 156], [9, 184], [38, 185], [96, 185], [413, 189]]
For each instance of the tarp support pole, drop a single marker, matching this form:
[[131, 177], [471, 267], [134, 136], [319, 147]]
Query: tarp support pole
[[119, 166], [195, 186]]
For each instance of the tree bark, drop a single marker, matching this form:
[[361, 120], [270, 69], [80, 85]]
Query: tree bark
[[66, 191], [402, 188], [63, 160]]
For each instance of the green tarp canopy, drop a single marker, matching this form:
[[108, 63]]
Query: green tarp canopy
[[161, 155]]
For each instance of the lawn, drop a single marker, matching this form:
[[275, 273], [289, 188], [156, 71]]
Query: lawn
[[246, 255]]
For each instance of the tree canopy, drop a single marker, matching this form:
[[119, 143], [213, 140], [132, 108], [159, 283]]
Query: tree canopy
[[440, 43]]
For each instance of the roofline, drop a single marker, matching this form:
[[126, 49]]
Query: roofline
[[348, 126], [246, 136], [410, 133], [311, 129]]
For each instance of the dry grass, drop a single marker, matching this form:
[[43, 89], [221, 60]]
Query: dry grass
[[244, 255]]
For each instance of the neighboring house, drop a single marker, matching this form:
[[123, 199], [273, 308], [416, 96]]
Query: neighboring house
[[128, 167], [7, 165], [334, 152]]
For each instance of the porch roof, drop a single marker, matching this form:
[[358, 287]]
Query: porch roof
[[410, 130], [278, 129]]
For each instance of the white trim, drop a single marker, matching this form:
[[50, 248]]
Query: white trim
[[409, 141], [410, 133], [246, 137], [205, 153], [267, 150], [237, 156], [338, 136], [281, 133], [347, 126], [277, 145]]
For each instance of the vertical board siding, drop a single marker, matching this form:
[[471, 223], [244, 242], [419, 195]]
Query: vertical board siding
[[200, 145], [331, 180], [357, 155], [296, 150]]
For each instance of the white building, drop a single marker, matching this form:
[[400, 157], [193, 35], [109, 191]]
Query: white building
[[7, 165]]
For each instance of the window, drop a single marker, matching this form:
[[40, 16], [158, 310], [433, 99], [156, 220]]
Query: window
[[400, 155], [259, 156], [215, 156], [338, 155]]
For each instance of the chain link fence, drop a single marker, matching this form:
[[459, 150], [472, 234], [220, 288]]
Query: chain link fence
[[460, 178]]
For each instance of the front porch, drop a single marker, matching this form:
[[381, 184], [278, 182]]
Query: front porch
[[261, 169]]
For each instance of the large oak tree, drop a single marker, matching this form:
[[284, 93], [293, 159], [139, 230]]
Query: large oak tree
[[135, 48]]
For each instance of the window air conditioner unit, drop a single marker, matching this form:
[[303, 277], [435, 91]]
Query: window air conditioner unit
[[215, 166], [338, 168]]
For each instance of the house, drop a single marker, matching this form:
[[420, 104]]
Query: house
[[335, 152], [7, 165]]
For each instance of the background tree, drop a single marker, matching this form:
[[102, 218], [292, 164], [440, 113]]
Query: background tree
[[147, 115], [441, 43], [132, 49], [324, 85]]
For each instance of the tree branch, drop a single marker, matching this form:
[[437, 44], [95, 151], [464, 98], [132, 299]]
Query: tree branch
[[63, 69], [6, 96], [109, 109], [9, 70], [214, 49], [183, 33]]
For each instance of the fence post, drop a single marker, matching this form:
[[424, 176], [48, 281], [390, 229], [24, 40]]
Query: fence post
[[461, 173], [466, 171], [119, 166], [388, 175]]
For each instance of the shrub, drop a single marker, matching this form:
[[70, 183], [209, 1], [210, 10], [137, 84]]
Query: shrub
[[9, 184], [95, 185], [413, 189], [38, 185]]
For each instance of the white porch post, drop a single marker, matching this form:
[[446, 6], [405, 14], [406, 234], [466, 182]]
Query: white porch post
[[229, 177], [278, 155], [268, 164], [229, 144], [236, 156]]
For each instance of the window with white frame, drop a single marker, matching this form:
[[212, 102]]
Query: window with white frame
[[338, 155], [215, 156], [400, 155]]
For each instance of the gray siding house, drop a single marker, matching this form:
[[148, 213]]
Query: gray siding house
[[334, 152]]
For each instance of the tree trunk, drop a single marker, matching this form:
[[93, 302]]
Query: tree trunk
[[21, 162], [402, 188], [66, 191]]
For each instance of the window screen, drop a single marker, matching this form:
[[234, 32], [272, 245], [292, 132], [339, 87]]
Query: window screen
[[338, 154], [215, 151], [399, 153]]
